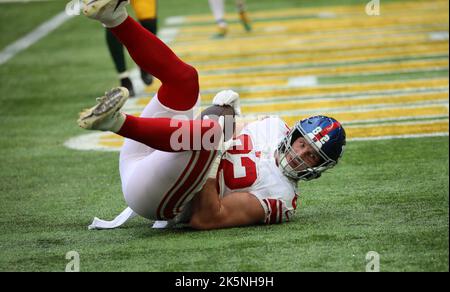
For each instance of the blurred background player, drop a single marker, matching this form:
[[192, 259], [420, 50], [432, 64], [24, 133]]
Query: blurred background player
[[218, 10], [146, 13]]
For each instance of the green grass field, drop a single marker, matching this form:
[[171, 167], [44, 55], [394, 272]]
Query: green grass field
[[390, 196]]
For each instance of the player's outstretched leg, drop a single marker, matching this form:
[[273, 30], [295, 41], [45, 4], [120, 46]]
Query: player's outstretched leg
[[158, 133], [180, 88]]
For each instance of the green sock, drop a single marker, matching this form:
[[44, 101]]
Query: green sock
[[150, 24], [117, 52]]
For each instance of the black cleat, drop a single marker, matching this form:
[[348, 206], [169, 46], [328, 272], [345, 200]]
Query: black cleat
[[146, 78], [126, 82]]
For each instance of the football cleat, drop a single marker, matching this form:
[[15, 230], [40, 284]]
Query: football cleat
[[105, 115], [109, 12], [222, 32]]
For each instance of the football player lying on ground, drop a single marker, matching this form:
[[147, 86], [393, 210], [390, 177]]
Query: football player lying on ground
[[257, 178]]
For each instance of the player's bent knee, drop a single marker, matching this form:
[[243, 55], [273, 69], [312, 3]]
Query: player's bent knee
[[182, 90], [188, 75]]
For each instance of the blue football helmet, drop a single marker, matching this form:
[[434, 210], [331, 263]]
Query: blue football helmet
[[325, 135]]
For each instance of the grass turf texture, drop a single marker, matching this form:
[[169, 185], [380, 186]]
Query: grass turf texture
[[13, 14], [388, 196]]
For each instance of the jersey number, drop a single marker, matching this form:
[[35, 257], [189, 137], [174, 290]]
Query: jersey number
[[244, 175]]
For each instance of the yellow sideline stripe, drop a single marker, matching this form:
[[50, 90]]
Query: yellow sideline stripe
[[309, 35], [279, 30], [305, 53], [116, 143], [330, 89], [352, 116], [288, 73], [407, 7], [337, 103], [319, 57], [308, 91], [281, 78], [326, 24], [310, 59], [291, 43], [285, 30], [109, 136], [341, 88], [353, 10]]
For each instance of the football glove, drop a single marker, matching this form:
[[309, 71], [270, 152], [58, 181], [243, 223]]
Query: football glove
[[228, 97]]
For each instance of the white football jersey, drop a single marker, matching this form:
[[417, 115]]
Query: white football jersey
[[249, 166]]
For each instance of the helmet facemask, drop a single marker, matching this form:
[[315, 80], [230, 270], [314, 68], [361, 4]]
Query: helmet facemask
[[293, 165]]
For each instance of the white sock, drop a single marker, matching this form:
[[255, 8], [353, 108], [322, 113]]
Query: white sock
[[118, 122], [112, 123], [118, 20], [218, 10], [123, 75]]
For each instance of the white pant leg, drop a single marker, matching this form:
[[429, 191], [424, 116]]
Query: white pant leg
[[157, 184], [218, 10], [133, 151], [161, 184]]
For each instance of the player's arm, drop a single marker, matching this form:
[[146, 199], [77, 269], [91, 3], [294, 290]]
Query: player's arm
[[209, 211]]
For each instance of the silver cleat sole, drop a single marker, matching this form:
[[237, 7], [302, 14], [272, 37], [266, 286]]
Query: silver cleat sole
[[108, 104]]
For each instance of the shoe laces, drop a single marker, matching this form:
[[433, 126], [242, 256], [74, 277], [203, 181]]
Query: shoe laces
[[101, 98]]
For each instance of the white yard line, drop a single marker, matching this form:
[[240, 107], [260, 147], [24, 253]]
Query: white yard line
[[31, 38], [256, 89], [89, 142], [168, 35], [175, 20], [303, 81], [338, 96]]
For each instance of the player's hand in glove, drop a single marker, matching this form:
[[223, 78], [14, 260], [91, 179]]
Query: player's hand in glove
[[228, 97]]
